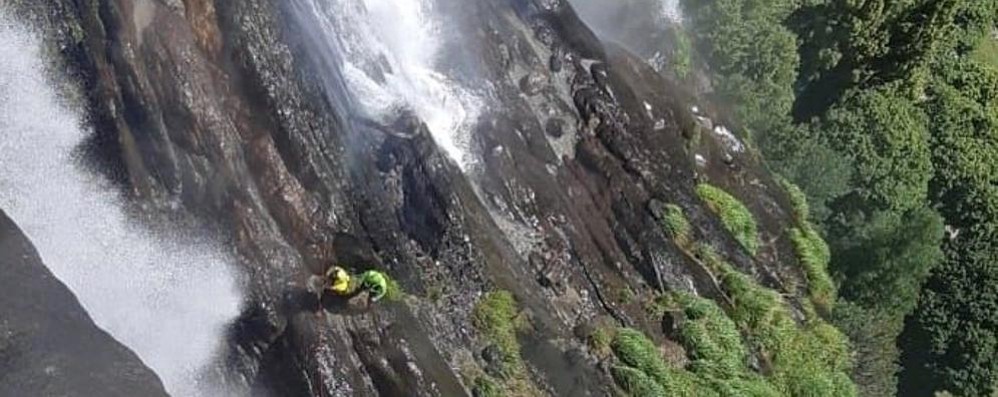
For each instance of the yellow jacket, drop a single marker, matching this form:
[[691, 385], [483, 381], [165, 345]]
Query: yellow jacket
[[339, 280]]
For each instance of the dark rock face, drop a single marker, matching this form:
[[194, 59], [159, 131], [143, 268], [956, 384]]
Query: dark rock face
[[49, 346], [215, 105]]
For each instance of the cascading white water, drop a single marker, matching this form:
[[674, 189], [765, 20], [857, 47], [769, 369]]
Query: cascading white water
[[672, 11], [167, 301], [388, 54]]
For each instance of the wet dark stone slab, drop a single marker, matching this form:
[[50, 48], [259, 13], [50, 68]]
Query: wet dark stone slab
[[49, 346]]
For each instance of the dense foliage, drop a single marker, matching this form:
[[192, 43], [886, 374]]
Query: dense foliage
[[886, 114], [809, 359]]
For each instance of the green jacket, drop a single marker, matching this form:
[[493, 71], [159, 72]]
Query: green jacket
[[375, 282]]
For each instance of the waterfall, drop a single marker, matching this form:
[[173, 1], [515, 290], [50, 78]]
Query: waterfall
[[672, 11], [167, 300], [388, 53]]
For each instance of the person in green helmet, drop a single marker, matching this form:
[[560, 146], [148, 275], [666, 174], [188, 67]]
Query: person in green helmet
[[375, 283]]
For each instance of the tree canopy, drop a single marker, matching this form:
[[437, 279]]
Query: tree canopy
[[885, 113]]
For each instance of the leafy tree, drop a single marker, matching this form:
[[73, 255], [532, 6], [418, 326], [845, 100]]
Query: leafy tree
[[753, 55], [883, 260], [861, 44], [873, 334], [951, 341], [885, 136], [965, 142], [822, 173], [893, 119], [974, 20]]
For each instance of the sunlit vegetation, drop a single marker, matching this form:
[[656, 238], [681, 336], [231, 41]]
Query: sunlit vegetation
[[736, 218], [812, 251], [801, 357], [882, 111], [676, 225], [393, 292], [682, 54], [497, 317], [987, 51]]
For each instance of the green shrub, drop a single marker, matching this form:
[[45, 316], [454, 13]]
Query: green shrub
[[682, 54], [808, 359], [635, 382], [752, 305], [683, 383], [812, 251], [625, 295], [749, 386], [633, 348], [711, 337], [734, 215], [814, 255], [393, 292], [599, 341], [485, 386], [496, 316], [657, 306], [802, 211], [676, 225], [811, 359]]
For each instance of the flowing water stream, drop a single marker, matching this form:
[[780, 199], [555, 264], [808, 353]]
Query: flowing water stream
[[167, 300], [389, 53]]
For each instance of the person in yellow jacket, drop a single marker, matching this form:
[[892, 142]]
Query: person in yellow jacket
[[338, 280], [343, 284]]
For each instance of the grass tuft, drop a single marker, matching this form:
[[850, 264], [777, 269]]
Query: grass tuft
[[599, 341], [812, 251], [676, 225], [682, 54], [641, 355], [711, 338], [485, 386], [802, 211], [734, 215], [496, 316], [814, 255], [393, 292], [635, 349], [810, 359], [635, 382]]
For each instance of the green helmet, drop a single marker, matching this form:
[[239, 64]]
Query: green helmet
[[376, 282]]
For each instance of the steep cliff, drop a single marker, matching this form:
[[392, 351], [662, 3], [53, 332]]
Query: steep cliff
[[49, 346], [226, 110]]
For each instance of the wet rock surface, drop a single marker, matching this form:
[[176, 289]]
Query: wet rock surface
[[212, 107], [49, 346]]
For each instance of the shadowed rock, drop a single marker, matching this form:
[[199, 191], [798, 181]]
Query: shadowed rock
[[49, 346]]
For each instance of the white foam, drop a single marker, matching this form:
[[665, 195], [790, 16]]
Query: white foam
[[167, 301], [389, 52], [729, 139], [671, 11]]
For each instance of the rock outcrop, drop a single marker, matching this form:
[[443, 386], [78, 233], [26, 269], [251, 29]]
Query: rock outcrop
[[213, 107], [49, 346]]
